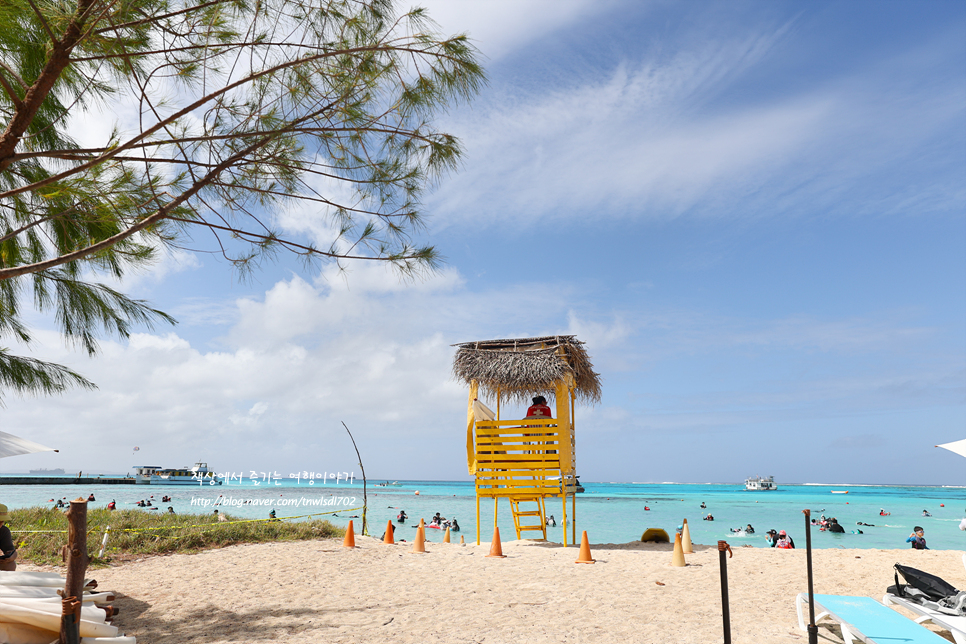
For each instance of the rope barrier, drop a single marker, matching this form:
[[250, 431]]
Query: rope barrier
[[196, 525], [226, 523]]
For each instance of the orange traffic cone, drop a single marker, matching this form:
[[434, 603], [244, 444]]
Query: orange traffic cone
[[419, 544], [446, 536], [496, 548], [422, 524], [388, 538], [462, 541], [584, 556], [687, 548], [350, 537], [677, 559]]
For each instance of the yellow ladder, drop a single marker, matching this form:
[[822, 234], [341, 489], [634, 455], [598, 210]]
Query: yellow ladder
[[518, 514]]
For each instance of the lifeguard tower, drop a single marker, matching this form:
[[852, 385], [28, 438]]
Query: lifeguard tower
[[525, 460]]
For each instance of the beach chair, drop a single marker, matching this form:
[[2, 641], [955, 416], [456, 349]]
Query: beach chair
[[866, 620], [952, 623]]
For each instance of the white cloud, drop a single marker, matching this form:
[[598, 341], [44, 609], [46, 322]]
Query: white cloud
[[500, 27], [295, 364]]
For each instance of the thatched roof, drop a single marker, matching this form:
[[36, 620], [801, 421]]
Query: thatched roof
[[521, 368]]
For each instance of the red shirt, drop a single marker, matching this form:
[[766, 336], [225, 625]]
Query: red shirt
[[539, 410]]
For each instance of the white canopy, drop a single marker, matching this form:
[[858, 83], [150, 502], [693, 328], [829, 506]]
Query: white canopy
[[958, 447], [11, 445]]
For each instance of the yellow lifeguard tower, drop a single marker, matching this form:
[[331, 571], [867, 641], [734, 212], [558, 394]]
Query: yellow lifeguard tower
[[525, 460]]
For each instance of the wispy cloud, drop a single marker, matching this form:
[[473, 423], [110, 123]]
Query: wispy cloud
[[686, 132]]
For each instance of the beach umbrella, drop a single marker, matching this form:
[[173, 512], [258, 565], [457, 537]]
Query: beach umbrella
[[482, 411], [958, 447], [11, 445]]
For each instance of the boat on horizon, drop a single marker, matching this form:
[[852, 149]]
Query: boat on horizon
[[44, 472], [761, 484], [156, 475]]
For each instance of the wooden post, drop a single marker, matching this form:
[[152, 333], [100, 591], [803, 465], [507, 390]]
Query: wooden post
[[811, 628], [725, 605], [77, 560]]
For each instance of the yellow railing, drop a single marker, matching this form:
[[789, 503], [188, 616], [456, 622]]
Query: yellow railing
[[523, 460]]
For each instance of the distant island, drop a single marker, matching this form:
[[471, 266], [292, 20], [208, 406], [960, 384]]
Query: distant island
[[42, 472]]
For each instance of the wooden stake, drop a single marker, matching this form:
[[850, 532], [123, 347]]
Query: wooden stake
[[77, 560]]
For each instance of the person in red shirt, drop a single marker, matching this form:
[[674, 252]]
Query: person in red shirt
[[539, 409]]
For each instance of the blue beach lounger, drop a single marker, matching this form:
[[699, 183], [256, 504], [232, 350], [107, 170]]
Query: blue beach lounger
[[866, 620]]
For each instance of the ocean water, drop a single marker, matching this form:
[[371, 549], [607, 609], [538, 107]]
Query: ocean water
[[609, 512]]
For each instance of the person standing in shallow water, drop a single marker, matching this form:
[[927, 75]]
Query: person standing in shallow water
[[8, 556], [917, 539], [784, 541]]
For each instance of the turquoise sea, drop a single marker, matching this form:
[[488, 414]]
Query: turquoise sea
[[609, 512]]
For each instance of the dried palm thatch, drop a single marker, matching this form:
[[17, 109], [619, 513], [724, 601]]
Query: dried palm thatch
[[515, 370]]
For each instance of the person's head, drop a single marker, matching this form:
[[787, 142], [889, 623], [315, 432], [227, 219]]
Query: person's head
[[4, 514], [782, 534], [539, 400], [918, 530]]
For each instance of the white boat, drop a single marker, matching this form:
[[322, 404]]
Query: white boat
[[156, 475], [761, 484]]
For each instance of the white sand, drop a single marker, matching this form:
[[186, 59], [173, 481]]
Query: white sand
[[318, 591]]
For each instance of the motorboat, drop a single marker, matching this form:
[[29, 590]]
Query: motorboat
[[156, 475], [761, 484]]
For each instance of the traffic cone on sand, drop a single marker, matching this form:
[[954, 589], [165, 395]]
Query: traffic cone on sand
[[462, 541], [388, 538], [677, 559], [688, 549], [446, 536], [419, 544], [496, 548], [584, 556], [350, 536]]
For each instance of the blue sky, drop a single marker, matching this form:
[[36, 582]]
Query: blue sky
[[754, 214]]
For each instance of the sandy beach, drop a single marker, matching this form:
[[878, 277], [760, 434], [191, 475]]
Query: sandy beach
[[318, 591]]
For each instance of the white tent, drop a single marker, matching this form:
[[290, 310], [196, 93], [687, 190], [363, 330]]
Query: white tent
[[958, 447], [11, 445]]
